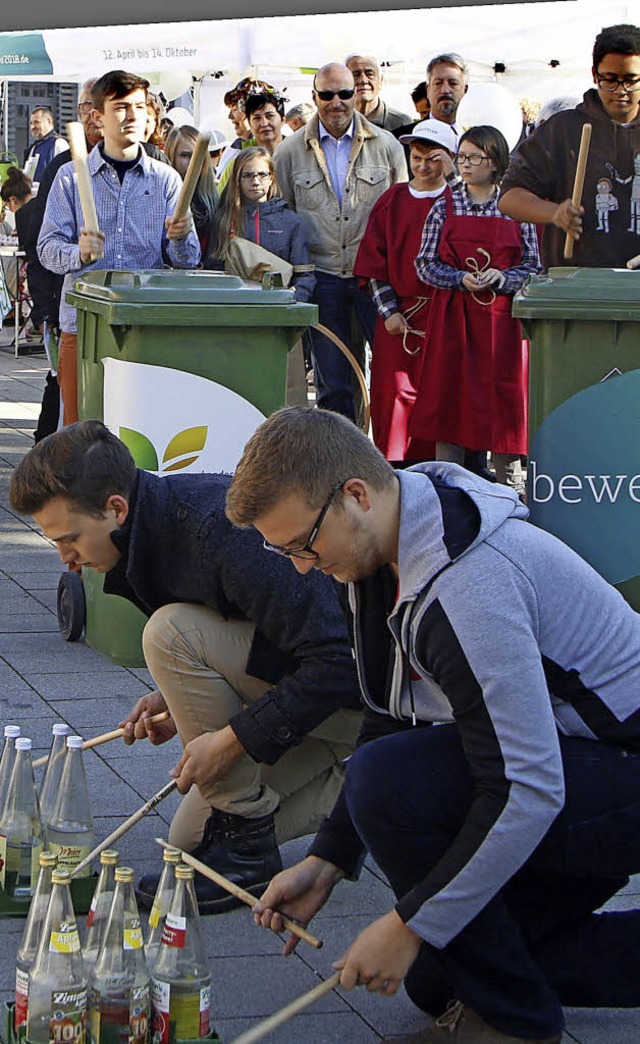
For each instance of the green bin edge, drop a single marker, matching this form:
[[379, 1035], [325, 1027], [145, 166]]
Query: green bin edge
[[586, 294], [9, 1036]]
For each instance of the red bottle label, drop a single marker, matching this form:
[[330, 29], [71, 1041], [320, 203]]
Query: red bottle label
[[22, 1001], [174, 932]]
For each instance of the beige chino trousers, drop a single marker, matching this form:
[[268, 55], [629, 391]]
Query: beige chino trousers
[[197, 660]]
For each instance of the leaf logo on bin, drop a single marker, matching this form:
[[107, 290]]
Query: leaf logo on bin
[[183, 449]]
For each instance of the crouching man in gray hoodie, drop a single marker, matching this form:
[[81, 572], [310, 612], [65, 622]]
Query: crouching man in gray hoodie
[[509, 821]]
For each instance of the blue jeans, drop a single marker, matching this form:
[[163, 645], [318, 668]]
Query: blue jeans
[[538, 943], [339, 301]]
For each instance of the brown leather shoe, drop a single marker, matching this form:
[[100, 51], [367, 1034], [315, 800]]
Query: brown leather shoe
[[466, 1027]]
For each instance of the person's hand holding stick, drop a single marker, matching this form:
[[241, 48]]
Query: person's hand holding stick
[[106, 737], [179, 224], [91, 239], [578, 185], [230, 886]]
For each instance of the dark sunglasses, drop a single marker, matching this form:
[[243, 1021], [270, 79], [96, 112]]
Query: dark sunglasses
[[343, 95]]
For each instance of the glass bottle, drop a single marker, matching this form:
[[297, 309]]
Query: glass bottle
[[57, 980], [181, 983], [30, 938], [11, 733], [70, 831], [53, 770], [161, 903], [21, 834], [100, 906], [119, 981]]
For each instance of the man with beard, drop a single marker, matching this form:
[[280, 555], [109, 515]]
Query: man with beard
[[447, 84], [47, 144]]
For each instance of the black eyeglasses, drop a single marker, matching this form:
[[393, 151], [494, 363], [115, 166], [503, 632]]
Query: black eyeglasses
[[85, 106], [261, 174], [306, 550], [611, 83], [474, 158], [343, 95]]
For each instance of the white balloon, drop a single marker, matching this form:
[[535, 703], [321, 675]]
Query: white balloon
[[172, 83], [493, 104]]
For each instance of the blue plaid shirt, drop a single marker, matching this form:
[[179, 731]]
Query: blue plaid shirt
[[130, 214], [435, 272]]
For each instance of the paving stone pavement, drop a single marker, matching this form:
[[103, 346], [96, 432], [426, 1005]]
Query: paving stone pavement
[[43, 679]]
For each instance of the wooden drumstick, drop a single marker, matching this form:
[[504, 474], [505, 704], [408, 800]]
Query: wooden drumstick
[[286, 1013], [578, 183], [198, 156], [106, 737], [240, 893], [128, 823], [78, 146]]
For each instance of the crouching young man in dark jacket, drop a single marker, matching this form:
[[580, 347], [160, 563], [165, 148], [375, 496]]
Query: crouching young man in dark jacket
[[252, 660]]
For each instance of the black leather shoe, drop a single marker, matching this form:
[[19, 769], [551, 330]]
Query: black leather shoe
[[243, 850]]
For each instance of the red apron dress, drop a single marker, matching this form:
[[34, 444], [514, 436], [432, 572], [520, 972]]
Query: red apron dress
[[387, 252], [473, 388]]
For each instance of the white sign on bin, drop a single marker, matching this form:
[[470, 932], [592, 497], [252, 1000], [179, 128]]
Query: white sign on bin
[[174, 421]]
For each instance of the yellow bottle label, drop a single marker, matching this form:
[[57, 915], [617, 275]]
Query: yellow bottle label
[[132, 934], [65, 938], [154, 916]]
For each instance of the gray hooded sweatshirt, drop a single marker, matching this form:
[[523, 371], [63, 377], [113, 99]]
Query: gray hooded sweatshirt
[[501, 628]]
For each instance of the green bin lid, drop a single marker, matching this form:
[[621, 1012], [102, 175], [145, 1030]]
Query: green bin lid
[[592, 294], [177, 286]]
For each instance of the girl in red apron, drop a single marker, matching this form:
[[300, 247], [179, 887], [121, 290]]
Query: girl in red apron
[[386, 259], [474, 374]]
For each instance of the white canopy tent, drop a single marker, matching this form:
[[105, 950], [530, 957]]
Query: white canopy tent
[[543, 48]]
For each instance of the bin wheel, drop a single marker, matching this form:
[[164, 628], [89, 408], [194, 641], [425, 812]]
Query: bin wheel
[[71, 606]]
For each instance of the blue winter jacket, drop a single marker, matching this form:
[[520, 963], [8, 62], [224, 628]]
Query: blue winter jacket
[[280, 230]]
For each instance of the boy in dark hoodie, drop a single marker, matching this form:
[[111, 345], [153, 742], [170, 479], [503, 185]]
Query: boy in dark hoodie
[[538, 185]]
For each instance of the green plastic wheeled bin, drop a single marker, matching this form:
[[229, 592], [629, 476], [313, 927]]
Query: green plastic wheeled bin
[[584, 415], [182, 366]]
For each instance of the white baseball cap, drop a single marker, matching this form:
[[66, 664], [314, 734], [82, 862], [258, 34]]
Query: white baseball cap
[[434, 132], [218, 139], [179, 117]]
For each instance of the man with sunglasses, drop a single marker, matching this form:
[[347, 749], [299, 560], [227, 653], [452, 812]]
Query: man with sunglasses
[[252, 660], [539, 181], [332, 172]]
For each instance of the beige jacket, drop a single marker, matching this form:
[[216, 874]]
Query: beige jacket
[[376, 162]]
